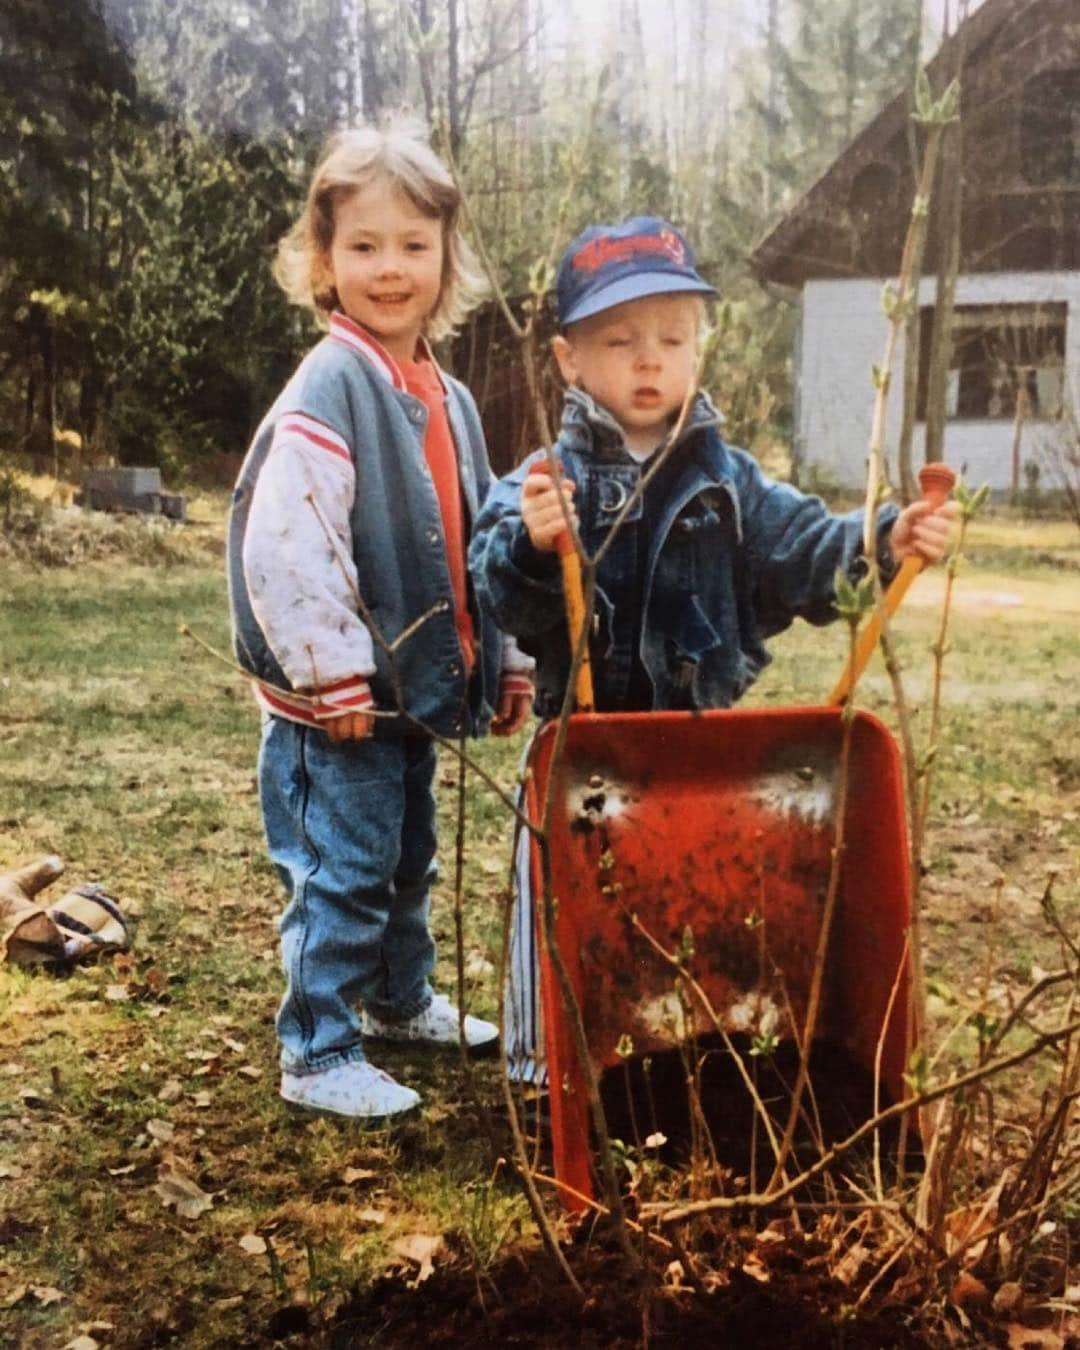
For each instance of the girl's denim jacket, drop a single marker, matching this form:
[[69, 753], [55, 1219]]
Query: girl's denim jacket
[[349, 400], [733, 558]]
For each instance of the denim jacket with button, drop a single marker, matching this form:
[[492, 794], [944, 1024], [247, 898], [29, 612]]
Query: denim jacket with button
[[336, 548], [731, 559]]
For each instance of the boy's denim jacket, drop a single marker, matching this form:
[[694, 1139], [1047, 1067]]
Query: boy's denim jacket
[[294, 611], [734, 559]]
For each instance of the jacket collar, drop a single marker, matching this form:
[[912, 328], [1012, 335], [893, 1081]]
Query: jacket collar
[[590, 428], [358, 339]]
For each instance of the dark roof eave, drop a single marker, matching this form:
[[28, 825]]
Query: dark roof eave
[[778, 243]]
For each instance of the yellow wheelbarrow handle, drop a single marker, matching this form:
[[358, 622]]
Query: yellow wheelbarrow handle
[[574, 600], [936, 481]]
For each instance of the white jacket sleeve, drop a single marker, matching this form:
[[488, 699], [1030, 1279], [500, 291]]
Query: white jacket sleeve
[[516, 676], [298, 558]]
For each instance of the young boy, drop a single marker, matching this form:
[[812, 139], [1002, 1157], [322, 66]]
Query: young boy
[[716, 557], [713, 559]]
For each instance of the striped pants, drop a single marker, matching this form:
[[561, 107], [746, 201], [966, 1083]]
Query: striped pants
[[523, 1033]]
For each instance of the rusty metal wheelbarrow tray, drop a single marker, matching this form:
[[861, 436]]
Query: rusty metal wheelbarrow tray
[[715, 831]]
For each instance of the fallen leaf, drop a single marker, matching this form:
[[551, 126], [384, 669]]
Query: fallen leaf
[[237, 1047], [253, 1244], [352, 1174], [657, 1140], [249, 1071], [190, 1200], [968, 1290], [1029, 1338], [161, 1130], [373, 1216], [117, 993], [121, 1171], [83, 1343], [1008, 1298], [201, 1100], [967, 1226], [171, 1090], [15, 1295], [32, 1097], [46, 1294], [756, 1268], [851, 1263], [478, 967], [420, 1248], [224, 1304], [12, 1173], [154, 980]]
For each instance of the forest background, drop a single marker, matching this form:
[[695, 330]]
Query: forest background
[[152, 152]]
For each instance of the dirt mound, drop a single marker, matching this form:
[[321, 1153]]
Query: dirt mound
[[529, 1305]]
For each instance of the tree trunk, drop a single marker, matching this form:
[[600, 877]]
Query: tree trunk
[[944, 296], [1019, 416], [453, 79], [913, 327], [723, 159], [423, 22], [772, 104], [48, 352], [370, 86], [851, 69], [29, 401], [950, 196]]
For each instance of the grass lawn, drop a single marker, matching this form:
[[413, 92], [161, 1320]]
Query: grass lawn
[[130, 752]]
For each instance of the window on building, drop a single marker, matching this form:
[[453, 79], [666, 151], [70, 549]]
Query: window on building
[[1001, 353], [1050, 128]]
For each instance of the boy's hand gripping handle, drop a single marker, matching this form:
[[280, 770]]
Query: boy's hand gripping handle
[[574, 600], [936, 481]]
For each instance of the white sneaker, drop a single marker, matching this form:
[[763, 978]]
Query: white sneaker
[[356, 1089], [437, 1024]]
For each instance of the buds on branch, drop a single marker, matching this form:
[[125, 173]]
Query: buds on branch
[[931, 112], [853, 600]]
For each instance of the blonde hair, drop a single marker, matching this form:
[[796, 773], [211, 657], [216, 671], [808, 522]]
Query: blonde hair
[[397, 152]]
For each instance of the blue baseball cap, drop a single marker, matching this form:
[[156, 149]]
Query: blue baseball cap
[[607, 265]]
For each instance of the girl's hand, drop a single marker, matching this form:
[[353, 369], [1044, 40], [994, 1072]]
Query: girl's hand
[[512, 713], [922, 531], [541, 509], [349, 727]]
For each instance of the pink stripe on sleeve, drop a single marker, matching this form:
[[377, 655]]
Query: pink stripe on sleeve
[[316, 438]]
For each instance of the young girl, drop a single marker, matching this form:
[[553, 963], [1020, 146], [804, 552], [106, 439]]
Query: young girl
[[352, 610]]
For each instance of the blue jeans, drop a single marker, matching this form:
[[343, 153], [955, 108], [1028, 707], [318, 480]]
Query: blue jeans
[[351, 830]]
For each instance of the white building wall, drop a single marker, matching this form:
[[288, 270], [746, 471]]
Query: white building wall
[[843, 336]]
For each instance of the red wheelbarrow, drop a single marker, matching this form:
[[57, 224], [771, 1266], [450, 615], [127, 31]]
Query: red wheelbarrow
[[713, 833]]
